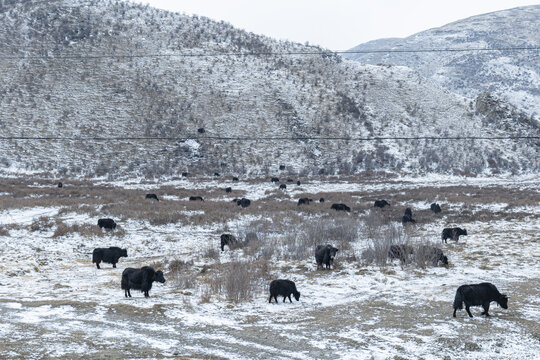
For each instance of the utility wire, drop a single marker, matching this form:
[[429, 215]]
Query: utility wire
[[263, 53]]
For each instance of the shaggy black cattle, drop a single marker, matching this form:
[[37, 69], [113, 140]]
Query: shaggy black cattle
[[284, 288], [109, 256], [140, 279], [60, 184], [400, 251], [381, 203], [274, 179], [435, 208], [324, 255], [478, 295], [340, 207], [304, 201], [407, 217], [227, 239], [196, 198], [281, 167], [452, 233], [433, 255], [201, 130], [152, 196], [298, 183], [235, 178], [282, 186], [243, 202], [290, 180], [216, 174], [106, 223], [321, 200], [184, 174], [228, 190]]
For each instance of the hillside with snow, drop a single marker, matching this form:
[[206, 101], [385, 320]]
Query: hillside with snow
[[103, 69], [510, 75]]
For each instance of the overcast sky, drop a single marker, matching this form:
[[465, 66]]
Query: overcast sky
[[336, 24]]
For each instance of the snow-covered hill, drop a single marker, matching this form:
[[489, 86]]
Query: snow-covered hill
[[56, 82], [511, 75]]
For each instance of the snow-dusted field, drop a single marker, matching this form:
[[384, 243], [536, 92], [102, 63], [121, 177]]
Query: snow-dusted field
[[54, 303]]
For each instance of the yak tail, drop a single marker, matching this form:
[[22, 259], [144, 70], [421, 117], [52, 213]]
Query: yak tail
[[125, 282], [458, 300]]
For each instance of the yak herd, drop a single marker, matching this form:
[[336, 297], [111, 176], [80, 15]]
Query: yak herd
[[472, 295]]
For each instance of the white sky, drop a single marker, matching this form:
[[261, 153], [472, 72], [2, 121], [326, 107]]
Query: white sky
[[336, 24]]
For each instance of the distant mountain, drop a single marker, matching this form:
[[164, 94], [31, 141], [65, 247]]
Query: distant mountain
[[101, 68], [510, 75]]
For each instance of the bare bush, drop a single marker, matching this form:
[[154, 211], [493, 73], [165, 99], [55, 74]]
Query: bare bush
[[62, 229], [211, 253], [239, 281], [3, 231], [43, 223], [380, 239]]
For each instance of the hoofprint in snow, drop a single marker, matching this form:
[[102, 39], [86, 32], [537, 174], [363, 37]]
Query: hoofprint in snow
[[56, 304]]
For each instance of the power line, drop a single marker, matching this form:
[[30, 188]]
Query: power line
[[263, 138], [262, 53]]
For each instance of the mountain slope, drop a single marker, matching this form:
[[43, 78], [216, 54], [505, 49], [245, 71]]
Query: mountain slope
[[511, 75], [48, 89]]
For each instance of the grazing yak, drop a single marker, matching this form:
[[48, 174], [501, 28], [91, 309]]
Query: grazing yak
[[433, 254], [235, 178], [304, 201], [298, 183], [400, 251], [60, 184], [435, 208], [324, 256], [184, 174], [140, 279], [196, 198], [201, 130], [227, 239], [290, 180], [109, 256], [274, 179], [478, 295], [407, 217], [243, 202], [321, 200], [281, 167], [283, 288], [282, 186], [216, 174], [228, 190], [340, 207], [381, 203], [106, 223], [452, 233], [152, 196]]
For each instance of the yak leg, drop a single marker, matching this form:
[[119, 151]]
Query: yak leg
[[467, 307], [114, 265], [290, 298], [97, 264], [486, 309], [454, 312]]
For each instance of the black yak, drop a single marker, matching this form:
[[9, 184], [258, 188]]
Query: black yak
[[435, 208], [201, 130], [108, 255], [452, 233], [283, 288], [235, 178], [228, 190], [140, 279], [184, 174], [290, 180], [151, 196], [274, 179], [227, 239], [478, 295], [400, 251], [282, 186], [216, 174], [433, 254], [60, 184], [304, 201], [196, 198], [381, 203], [340, 207], [106, 223], [298, 183], [243, 202], [321, 200], [281, 167], [324, 255], [407, 217]]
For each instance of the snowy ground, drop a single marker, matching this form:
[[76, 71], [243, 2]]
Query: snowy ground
[[55, 304]]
